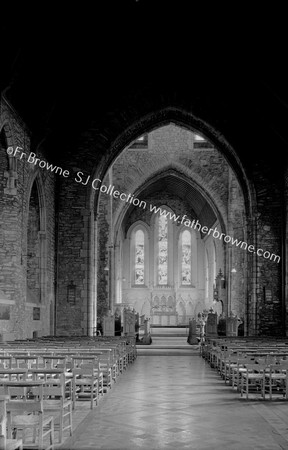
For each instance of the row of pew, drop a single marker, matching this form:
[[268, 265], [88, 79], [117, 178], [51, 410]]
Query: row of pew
[[53, 374], [251, 366]]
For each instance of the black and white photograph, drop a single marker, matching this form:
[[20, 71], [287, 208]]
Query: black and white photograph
[[143, 227]]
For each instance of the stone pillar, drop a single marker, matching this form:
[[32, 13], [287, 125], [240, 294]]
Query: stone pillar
[[94, 269], [111, 251], [285, 251], [91, 319], [42, 266]]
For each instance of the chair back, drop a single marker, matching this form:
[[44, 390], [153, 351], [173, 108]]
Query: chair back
[[85, 369]]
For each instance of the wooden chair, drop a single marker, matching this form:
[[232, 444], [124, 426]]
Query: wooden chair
[[276, 380], [85, 384], [239, 369], [113, 361], [10, 375], [106, 368], [57, 396], [53, 362], [230, 363], [5, 362], [224, 362], [132, 352], [6, 444], [78, 361], [26, 413], [26, 361], [253, 380]]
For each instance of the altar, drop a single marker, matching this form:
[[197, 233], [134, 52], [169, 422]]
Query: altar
[[164, 318], [163, 310]]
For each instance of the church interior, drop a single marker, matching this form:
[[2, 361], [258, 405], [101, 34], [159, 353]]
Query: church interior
[[143, 225]]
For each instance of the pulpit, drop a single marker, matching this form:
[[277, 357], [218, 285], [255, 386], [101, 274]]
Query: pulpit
[[232, 324]]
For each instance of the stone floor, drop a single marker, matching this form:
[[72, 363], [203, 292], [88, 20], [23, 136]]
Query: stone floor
[[169, 331], [176, 402], [168, 345]]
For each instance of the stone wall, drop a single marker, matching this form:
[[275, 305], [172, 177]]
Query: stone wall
[[97, 150], [286, 245], [169, 146], [33, 248], [103, 257], [269, 313], [172, 147], [72, 257], [236, 256], [15, 187]]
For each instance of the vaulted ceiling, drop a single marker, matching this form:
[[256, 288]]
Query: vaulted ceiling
[[176, 186], [64, 72]]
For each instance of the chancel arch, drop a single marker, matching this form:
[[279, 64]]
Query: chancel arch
[[179, 198], [163, 246]]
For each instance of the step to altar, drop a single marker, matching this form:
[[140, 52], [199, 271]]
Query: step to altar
[[172, 345], [168, 331]]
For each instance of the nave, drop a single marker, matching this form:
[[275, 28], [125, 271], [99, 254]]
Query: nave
[[175, 402], [145, 183]]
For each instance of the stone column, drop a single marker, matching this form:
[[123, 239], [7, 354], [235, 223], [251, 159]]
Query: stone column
[[91, 298], [42, 266]]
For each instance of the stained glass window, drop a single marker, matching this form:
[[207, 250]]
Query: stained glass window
[[186, 257], [139, 257], [163, 250]]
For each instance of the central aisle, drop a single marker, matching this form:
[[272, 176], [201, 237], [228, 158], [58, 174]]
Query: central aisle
[[168, 345], [175, 402]]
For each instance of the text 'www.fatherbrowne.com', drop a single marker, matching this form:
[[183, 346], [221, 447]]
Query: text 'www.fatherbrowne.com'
[[96, 184], [195, 224]]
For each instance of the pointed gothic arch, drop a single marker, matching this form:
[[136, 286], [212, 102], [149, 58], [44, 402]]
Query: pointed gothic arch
[[180, 118]]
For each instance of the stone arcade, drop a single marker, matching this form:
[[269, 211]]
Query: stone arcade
[[145, 258]]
